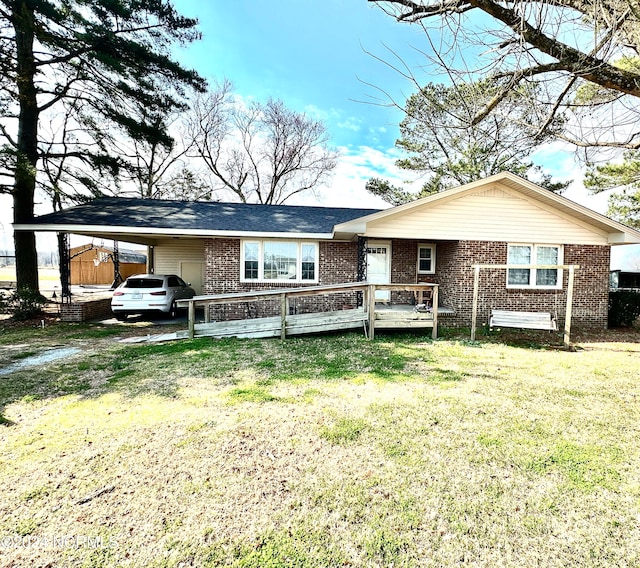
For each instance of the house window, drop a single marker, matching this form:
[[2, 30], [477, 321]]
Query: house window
[[279, 261], [251, 255], [426, 259], [308, 261], [534, 277]]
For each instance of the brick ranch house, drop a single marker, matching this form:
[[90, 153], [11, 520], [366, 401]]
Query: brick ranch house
[[503, 219]]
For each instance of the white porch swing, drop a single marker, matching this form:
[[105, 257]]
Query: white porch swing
[[523, 319]]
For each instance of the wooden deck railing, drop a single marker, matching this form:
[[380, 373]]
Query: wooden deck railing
[[284, 295]]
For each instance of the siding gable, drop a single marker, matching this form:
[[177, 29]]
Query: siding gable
[[494, 213], [497, 193]]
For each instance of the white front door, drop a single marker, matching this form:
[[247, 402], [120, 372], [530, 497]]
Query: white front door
[[379, 267]]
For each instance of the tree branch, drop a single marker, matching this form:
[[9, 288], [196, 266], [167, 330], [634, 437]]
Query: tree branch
[[569, 59]]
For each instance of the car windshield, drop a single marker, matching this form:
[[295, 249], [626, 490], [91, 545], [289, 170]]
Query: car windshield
[[143, 283]]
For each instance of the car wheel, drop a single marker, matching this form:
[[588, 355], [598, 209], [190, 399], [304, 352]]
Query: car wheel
[[173, 310]]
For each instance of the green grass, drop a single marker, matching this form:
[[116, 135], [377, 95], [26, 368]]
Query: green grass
[[344, 430], [323, 451], [250, 394]]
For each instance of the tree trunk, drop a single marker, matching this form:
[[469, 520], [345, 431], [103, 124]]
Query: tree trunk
[[27, 149]]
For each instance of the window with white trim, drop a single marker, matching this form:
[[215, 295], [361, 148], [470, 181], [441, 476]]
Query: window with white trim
[[550, 278], [426, 259], [279, 261]]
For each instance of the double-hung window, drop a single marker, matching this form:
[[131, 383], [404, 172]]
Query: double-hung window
[[279, 261], [533, 254], [426, 259]]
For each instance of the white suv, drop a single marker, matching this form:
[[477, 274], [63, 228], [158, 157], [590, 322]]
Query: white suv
[[144, 293]]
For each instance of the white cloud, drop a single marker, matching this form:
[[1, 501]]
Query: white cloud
[[578, 193], [322, 114], [355, 167], [350, 124]]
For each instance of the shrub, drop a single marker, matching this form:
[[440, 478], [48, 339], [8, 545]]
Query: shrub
[[22, 304], [624, 307]]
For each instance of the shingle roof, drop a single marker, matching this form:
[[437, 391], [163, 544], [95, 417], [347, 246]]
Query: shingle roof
[[203, 216], [132, 256], [124, 254]]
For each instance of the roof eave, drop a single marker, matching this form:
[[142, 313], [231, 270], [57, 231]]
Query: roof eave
[[159, 232], [355, 227], [625, 238]]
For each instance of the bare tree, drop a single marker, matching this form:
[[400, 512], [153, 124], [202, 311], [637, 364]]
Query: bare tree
[[159, 168], [581, 56], [155, 167], [260, 152]]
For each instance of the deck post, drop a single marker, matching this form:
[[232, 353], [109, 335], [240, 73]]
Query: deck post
[[371, 303], [207, 313], [567, 317], [474, 310], [434, 331], [284, 310], [192, 319]]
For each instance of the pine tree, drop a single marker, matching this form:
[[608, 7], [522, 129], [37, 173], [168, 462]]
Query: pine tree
[[103, 61]]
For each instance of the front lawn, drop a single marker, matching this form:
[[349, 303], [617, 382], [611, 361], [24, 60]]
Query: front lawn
[[323, 451]]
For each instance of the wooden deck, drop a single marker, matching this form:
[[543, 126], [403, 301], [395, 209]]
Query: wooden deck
[[399, 316], [368, 317]]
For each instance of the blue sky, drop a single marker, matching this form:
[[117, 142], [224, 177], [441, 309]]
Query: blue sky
[[311, 54]]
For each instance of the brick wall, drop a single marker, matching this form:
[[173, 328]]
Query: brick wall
[[222, 266], [86, 310], [591, 290], [454, 259], [338, 264], [454, 272], [404, 257]]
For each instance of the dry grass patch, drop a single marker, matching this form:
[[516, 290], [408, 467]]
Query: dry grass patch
[[325, 451]]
